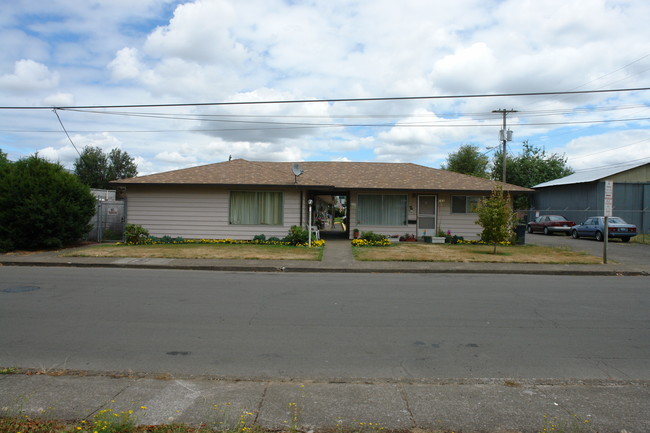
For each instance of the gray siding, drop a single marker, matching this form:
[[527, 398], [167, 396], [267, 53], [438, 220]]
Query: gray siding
[[459, 224], [200, 213]]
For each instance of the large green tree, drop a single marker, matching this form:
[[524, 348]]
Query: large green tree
[[96, 168], [42, 205], [3, 159], [531, 167], [468, 159]]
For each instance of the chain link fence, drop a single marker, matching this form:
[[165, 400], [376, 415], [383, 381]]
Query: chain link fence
[[640, 218], [108, 222]]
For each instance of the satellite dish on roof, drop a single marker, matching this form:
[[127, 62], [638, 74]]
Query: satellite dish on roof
[[297, 171]]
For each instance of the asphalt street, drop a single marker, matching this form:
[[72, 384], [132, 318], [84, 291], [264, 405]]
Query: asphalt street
[[316, 326], [617, 251]]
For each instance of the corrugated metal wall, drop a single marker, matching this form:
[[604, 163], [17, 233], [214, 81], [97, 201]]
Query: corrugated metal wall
[[580, 201]]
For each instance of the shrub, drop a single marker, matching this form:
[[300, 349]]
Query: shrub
[[135, 234], [42, 205], [164, 240], [496, 217], [273, 239], [372, 237], [297, 236], [260, 238]]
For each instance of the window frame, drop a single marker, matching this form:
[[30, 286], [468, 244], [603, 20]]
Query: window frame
[[383, 216], [259, 202], [471, 203]]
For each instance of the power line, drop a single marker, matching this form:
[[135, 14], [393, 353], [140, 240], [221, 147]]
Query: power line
[[610, 150], [441, 116], [334, 100], [621, 164], [288, 125], [66, 132]]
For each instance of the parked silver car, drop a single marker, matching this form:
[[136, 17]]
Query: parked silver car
[[594, 227]]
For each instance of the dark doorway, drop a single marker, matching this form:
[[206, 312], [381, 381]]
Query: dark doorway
[[330, 214]]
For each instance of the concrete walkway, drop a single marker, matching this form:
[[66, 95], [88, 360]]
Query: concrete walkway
[[467, 406]]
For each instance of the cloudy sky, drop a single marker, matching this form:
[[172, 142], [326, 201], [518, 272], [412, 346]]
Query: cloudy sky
[[77, 53]]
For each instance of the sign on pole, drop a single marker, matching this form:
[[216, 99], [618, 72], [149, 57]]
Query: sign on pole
[[609, 200], [609, 197]]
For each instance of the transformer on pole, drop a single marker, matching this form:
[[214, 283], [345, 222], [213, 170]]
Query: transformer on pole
[[505, 135]]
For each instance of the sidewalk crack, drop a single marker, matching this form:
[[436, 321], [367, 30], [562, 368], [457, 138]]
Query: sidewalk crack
[[260, 404], [402, 392], [111, 400]]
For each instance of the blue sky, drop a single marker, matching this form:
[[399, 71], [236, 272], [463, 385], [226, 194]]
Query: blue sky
[[63, 53]]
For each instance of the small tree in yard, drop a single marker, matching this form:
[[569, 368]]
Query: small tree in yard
[[42, 205], [496, 217]]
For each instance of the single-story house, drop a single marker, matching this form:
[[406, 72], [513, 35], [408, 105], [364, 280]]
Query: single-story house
[[239, 199], [582, 195]]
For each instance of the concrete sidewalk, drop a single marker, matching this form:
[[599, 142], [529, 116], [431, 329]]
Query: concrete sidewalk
[[337, 257], [467, 406]]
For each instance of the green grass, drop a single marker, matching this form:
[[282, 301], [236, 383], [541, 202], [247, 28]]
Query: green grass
[[641, 239], [201, 251]]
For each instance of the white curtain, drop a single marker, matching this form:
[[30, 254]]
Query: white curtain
[[254, 208], [382, 210]]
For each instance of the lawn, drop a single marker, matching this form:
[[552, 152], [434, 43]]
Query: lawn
[[201, 251], [641, 238], [417, 252]]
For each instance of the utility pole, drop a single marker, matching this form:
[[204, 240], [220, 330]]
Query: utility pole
[[504, 136]]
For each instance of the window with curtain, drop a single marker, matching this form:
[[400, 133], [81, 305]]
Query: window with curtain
[[382, 210], [256, 208]]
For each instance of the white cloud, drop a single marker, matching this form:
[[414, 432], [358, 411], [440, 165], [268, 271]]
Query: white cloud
[[175, 158], [66, 155], [125, 65], [615, 147], [198, 32], [28, 76], [162, 51], [59, 100]]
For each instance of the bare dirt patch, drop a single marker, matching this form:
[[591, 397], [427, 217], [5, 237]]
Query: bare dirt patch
[[218, 251], [474, 253]]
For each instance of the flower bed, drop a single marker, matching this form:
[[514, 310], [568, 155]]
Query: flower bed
[[181, 241], [370, 243]]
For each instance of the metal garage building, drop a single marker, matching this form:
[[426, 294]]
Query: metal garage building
[[582, 194]]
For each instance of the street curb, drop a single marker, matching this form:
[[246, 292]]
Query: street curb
[[235, 268], [504, 381]]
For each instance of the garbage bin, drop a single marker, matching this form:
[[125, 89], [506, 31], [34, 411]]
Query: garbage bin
[[520, 232]]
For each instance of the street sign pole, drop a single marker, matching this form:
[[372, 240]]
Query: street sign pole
[[609, 204], [606, 239]]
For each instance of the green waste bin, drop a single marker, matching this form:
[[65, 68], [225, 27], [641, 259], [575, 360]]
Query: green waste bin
[[520, 232]]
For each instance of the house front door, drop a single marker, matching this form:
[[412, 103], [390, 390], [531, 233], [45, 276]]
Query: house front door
[[427, 215]]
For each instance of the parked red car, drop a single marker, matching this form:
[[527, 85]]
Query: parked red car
[[549, 224]]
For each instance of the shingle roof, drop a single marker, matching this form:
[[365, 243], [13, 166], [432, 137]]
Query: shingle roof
[[592, 175], [331, 174]]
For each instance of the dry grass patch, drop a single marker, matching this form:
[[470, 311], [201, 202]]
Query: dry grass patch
[[420, 252], [198, 251]]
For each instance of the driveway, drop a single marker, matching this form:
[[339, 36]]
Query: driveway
[[626, 253]]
